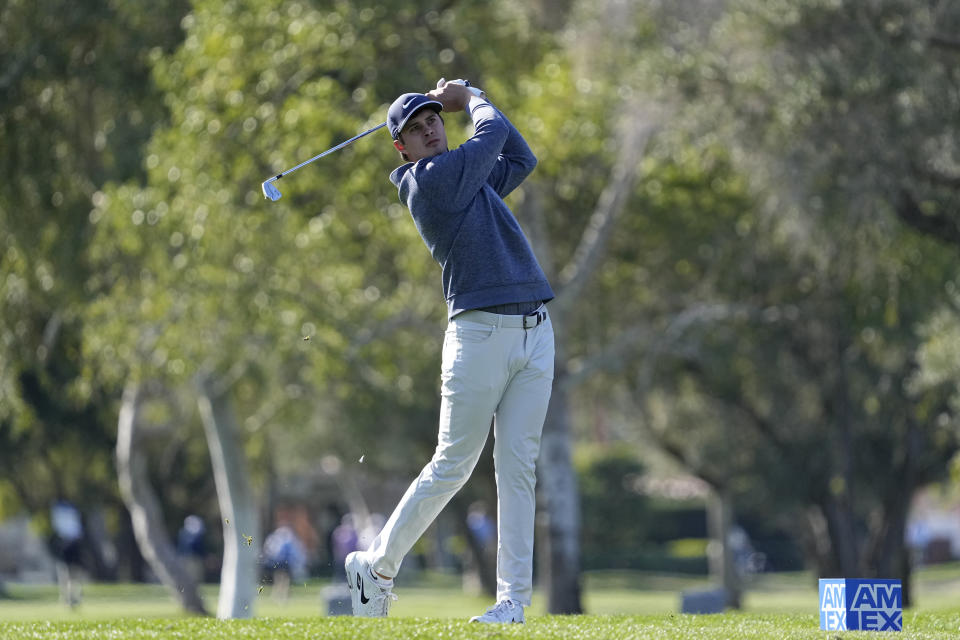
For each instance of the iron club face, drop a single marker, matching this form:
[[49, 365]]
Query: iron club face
[[270, 190]]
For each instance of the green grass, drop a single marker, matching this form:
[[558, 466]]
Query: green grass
[[620, 605], [920, 626]]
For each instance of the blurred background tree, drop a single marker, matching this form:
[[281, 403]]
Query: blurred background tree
[[837, 114], [76, 105]]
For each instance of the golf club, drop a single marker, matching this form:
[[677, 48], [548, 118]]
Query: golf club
[[270, 190]]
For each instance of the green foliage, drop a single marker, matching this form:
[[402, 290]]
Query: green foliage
[[759, 312], [75, 107], [615, 514], [855, 100], [822, 105], [623, 528], [322, 308]]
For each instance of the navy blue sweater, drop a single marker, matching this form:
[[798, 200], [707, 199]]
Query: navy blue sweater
[[456, 201]]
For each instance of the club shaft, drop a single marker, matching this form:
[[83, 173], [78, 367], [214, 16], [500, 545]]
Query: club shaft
[[330, 150]]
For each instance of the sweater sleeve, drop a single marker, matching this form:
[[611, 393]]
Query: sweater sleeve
[[515, 163], [496, 154], [453, 179]]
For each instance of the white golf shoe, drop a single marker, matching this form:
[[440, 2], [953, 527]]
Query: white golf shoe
[[503, 611], [370, 596]]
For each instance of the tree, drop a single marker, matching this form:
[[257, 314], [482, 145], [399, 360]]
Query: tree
[[144, 507], [285, 309], [591, 127], [836, 287], [76, 104]]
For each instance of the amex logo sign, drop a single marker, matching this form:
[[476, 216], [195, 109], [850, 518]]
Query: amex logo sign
[[864, 605]]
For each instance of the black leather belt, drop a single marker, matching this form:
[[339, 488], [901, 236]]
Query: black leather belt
[[513, 308]]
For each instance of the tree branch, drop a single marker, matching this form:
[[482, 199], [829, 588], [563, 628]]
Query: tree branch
[[18, 68], [620, 349], [404, 319], [611, 357], [146, 514], [939, 226], [938, 179], [765, 427], [944, 42], [636, 132], [682, 457], [700, 314], [535, 225]]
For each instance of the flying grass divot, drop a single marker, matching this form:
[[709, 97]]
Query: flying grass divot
[[861, 605]]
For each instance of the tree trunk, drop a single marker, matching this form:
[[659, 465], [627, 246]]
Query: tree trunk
[[843, 537], [144, 508], [889, 556], [558, 481], [887, 552], [483, 556], [558, 485], [815, 540], [905, 572], [131, 559], [722, 565], [241, 524]]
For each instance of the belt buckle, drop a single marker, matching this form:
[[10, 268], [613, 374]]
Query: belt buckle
[[536, 316]]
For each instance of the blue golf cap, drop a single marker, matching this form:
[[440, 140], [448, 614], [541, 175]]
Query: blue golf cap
[[403, 109]]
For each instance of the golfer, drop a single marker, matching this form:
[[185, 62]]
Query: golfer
[[498, 348]]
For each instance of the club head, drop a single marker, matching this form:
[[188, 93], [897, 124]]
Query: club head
[[270, 191]]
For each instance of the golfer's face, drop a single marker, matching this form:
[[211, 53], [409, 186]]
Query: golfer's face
[[424, 135]]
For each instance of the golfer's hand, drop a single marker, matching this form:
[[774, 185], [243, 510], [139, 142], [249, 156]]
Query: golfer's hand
[[453, 97]]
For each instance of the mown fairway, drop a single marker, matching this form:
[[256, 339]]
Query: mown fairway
[[620, 605], [667, 626]]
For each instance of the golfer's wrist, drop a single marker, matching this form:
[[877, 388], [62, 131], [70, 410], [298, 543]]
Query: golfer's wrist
[[475, 102]]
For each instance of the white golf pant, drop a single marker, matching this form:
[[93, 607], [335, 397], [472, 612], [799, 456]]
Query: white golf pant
[[490, 370]]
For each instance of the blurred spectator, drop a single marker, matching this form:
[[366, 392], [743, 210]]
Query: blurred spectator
[[344, 540], [746, 559], [480, 555], [67, 547], [298, 516], [482, 527], [285, 558], [191, 546]]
